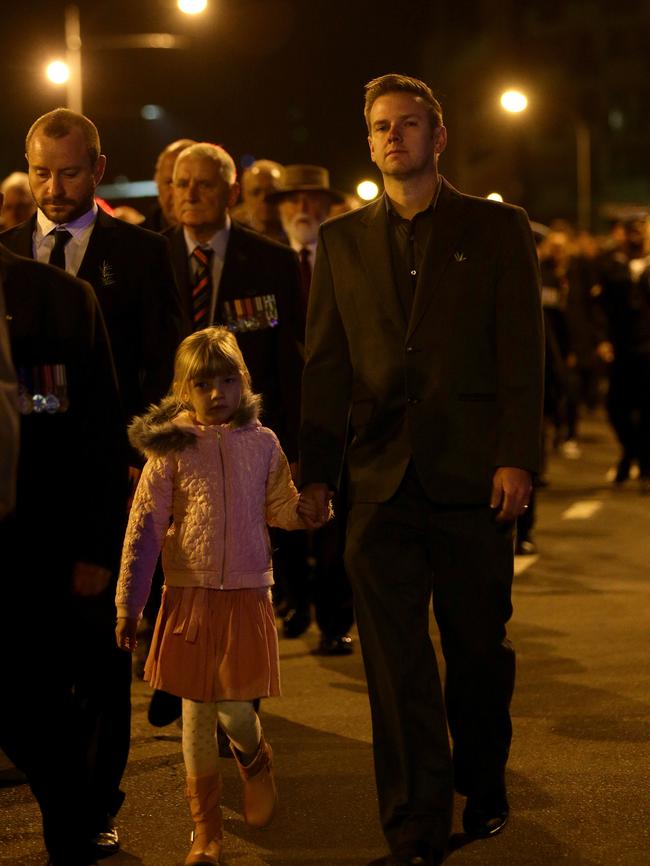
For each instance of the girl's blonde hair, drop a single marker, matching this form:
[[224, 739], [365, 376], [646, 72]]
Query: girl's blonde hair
[[214, 352]]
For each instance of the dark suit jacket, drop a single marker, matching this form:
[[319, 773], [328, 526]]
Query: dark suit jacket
[[72, 485], [129, 269], [454, 383], [256, 268]]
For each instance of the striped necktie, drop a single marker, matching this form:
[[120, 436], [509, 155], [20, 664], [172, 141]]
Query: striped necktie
[[202, 287], [57, 256]]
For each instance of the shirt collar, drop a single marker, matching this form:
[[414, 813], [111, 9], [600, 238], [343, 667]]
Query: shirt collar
[[392, 211], [218, 242], [75, 227]]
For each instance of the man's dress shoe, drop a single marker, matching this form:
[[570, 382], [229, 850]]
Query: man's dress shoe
[[296, 622], [107, 841], [484, 819], [335, 646], [164, 709], [415, 860]]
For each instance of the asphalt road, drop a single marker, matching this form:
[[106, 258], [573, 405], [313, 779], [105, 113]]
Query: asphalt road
[[578, 775]]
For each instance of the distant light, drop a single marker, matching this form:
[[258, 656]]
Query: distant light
[[192, 7], [616, 119], [58, 72], [495, 196], [367, 190], [514, 101], [151, 112]]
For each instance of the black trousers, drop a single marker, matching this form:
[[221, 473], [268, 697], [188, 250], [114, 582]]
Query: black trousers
[[401, 554]]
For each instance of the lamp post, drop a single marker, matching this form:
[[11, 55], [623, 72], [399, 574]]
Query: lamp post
[[515, 101], [74, 100]]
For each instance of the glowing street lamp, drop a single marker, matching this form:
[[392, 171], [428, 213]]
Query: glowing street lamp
[[192, 7], [514, 101], [58, 72], [367, 190]]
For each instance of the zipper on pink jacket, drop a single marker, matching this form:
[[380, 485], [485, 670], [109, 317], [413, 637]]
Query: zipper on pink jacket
[[223, 482]]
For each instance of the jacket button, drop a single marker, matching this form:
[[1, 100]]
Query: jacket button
[[409, 348]]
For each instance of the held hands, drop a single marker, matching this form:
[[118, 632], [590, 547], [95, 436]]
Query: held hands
[[125, 632], [315, 505], [511, 488]]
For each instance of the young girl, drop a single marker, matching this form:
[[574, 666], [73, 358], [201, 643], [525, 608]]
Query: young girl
[[213, 480]]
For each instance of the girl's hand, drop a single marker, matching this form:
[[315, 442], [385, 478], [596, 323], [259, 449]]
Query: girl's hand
[[125, 632], [314, 507]]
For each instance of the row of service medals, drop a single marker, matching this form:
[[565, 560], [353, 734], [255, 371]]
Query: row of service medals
[[250, 314], [42, 388]]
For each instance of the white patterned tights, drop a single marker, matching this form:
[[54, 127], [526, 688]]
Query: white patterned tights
[[200, 750]]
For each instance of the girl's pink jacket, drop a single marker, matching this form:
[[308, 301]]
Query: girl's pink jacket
[[205, 496]]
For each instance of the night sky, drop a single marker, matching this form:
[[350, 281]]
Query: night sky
[[280, 79], [283, 79]]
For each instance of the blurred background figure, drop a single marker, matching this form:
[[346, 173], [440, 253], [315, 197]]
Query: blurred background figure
[[571, 322], [18, 202], [128, 214], [254, 210], [311, 564], [349, 202], [163, 217], [624, 298]]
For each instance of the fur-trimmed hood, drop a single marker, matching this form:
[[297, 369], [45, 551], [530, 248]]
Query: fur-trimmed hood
[[170, 426]]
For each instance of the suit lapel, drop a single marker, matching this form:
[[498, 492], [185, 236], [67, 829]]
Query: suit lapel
[[443, 243], [96, 264], [233, 264], [23, 238], [374, 250]]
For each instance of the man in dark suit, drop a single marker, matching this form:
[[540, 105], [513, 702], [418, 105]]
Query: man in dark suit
[[253, 284], [60, 543], [131, 274], [424, 333]]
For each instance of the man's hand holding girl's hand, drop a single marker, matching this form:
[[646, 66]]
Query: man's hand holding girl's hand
[[315, 505]]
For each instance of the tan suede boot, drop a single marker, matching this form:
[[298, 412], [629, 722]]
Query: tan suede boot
[[204, 795], [260, 794]]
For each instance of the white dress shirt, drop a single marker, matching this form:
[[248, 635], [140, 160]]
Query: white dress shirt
[[75, 249]]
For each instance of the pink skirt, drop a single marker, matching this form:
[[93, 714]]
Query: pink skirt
[[215, 645]]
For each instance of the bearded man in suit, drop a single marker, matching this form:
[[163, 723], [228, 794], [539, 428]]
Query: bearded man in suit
[[130, 271], [424, 334]]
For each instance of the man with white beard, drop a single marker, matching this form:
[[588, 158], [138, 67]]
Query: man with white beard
[[312, 563], [304, 200]]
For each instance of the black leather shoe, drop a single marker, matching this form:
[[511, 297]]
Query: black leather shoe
[[482, 819], [107, 841], [407, 860], [296, 622], [335, 646], [525, 547], [164, 709]]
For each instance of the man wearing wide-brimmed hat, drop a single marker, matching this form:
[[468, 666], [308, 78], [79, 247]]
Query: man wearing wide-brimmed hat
[[304, 199]]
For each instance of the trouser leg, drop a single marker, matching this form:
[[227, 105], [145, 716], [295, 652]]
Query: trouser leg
[[390, 569], [102, 688], [473, 568]]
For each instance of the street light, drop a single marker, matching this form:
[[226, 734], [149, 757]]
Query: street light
[[367, 190], [141, 40], [57, 72], [514, 101], [192, 7]]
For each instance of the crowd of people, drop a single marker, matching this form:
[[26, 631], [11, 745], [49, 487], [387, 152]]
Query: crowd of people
[[370, 387]]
